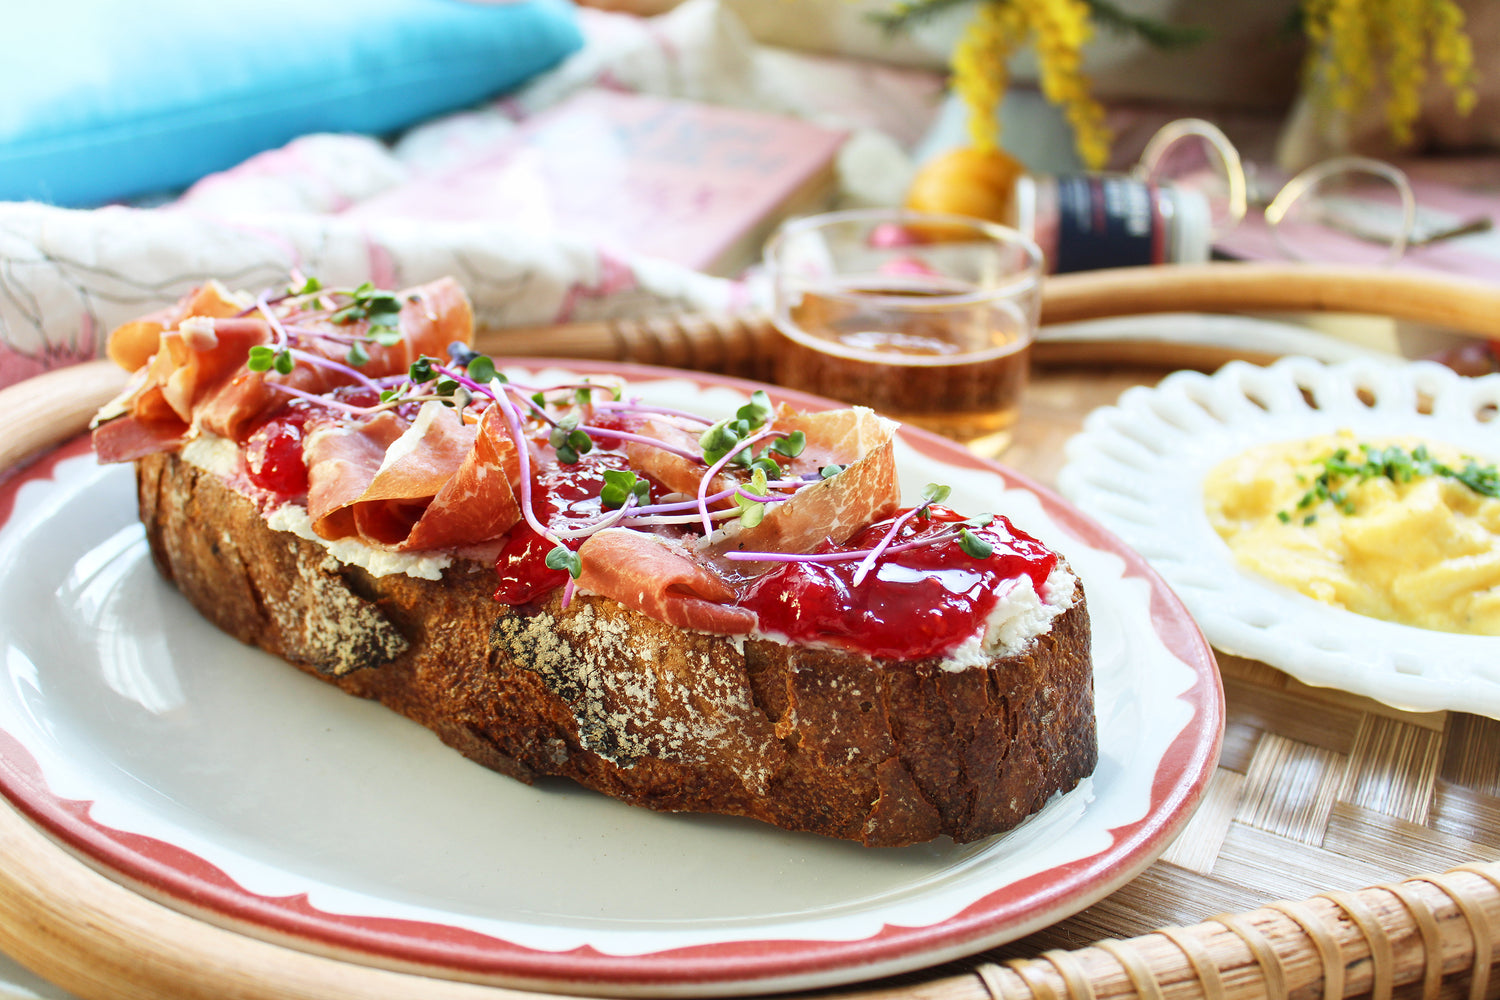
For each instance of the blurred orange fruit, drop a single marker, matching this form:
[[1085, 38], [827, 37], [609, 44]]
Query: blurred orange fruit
[[967, 181]]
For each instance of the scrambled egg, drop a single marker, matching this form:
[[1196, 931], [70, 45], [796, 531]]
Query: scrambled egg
[[1423, 550]]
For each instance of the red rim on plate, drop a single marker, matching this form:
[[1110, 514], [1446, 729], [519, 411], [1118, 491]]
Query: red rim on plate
[[174, 875]]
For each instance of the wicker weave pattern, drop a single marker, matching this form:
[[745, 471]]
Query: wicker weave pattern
[[1315, 789], [1434, 933]]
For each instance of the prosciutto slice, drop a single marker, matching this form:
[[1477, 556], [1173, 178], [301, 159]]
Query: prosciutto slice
[[132, 344], [434, 484], [193, 361], [342, 461], [661, 578], [835, 508], [195, 376]]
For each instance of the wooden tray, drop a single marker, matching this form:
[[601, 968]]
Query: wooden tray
[[1317, 793]]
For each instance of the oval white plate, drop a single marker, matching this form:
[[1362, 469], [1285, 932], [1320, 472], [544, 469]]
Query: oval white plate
[[1139, 466], [223, 782]]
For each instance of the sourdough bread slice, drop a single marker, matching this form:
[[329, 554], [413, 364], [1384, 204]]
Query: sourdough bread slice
[[879, 751]]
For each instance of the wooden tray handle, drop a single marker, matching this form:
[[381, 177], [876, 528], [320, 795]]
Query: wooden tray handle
[[741, 344], [48, 409], [1462, 304]]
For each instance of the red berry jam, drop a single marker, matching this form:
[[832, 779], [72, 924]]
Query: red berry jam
[[273, 453], [916, 603], [562, 496]]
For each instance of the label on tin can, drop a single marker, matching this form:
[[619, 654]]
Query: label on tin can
[[1108, 221]]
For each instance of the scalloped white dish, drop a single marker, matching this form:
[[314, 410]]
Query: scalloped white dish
[[1139, 466], [222, 782]]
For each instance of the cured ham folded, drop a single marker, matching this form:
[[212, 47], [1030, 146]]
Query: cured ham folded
[[734, 615], [194, 377], [436, 483]]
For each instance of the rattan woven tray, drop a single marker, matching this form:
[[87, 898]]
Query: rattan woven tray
[[1382, 827]]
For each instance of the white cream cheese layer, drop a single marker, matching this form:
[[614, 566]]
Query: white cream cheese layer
[[212, 453], [1019, 616], [378, 562]]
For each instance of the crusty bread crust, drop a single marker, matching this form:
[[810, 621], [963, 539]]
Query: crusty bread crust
[[886, 753]]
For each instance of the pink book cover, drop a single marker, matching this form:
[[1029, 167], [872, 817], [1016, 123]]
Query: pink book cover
[[693, 183]]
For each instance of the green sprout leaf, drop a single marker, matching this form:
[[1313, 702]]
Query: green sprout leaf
[[936, 492], [563, 557], [558, 437], [357, 354], [421, 370], [264, 358], [974, 545], [620, 485], [753, 511], [791, 446], [481, 369], [756, 412], [309, 287], [829, 471], [261, 358], [720, 439], [381, 308], [767, 465]]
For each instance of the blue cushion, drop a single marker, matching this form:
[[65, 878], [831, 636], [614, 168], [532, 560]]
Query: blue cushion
[[102, 100]]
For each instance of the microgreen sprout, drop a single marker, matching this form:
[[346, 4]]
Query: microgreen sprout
[[974, 545], [622, 484], [714, 469], [729, 436], [379, 308], [765, 465], [482, 370], [791, 446], [752, 511], [931, 493], [422, 370], [563, 557], [569, 440], [829, 471], [265, 358], [757, 411]]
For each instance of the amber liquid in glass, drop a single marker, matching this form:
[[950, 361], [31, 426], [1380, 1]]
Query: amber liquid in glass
[[958, 370]]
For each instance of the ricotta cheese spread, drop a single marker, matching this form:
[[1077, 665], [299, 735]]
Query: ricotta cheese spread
[[1017, 618]]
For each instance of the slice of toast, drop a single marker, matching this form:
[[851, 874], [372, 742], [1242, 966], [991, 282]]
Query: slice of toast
[[886, 752]]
